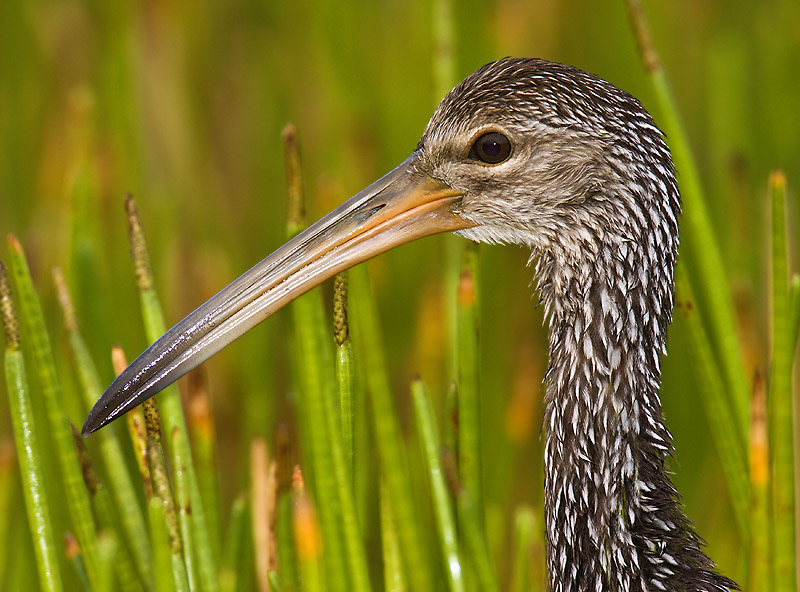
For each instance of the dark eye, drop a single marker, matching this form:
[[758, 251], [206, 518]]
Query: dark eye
[[491, 148]]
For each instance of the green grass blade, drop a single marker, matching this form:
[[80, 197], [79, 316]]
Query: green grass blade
[[106, 566], [780, 398], [469, 406], [444, 78], [121, 485], [183, 504], [344, 367], [28, 450], [794, 306], [342, 442], [234, 548], [471, 523], [525, 531], [275, 582], [443, 508], [702, 254], [77, 497], [394, 466], [7, 500], [160, 543], [198, 545], [732, 455], [394, 578], [444, 56], [162, 490]]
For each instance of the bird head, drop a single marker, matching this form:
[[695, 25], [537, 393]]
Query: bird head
[[552, 157]]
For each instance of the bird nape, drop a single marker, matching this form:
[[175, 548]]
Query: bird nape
[[544, 155]]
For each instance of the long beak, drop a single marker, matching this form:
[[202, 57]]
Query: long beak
[[404, 205]]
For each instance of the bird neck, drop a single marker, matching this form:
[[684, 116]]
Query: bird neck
[[612, 515]]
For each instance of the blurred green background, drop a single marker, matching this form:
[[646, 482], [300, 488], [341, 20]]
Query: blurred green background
[[182, 103]]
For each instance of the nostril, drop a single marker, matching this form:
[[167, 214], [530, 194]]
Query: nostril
[[366, 214]]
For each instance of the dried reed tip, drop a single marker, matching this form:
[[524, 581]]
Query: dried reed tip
[[89, 476], [118, 359], [272, 515], [152, 422], [466, 288], [64, 300], [341, 332], [451, 400], [141, 260], [199, 406], [259, 463], [295, 215], [7, 456], [759, 447], [10, 324], [298, 483], [14, 244], [259, 459], [643, 39], [71, 547], [136, 429], [777, 181], [306, 530], [288, 133]]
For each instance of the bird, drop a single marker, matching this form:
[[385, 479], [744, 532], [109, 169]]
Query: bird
[[535, 153]]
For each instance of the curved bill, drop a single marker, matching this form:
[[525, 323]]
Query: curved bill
[[402, 206]]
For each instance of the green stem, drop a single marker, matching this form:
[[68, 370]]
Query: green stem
[[731, 454], [524, 530], [28, 450], [469, 405], [344, 367], [443, 509], [233, 550], [394, 579], [794, 307], [703, 254], [160, 543], [780, 398]]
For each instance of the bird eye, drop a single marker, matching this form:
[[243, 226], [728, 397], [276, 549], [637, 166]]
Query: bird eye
[[491, 148]]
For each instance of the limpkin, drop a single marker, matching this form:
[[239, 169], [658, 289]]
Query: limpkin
[[547, 156]]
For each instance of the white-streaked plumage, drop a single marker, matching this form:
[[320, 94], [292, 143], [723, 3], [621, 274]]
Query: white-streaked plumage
[[590, 187]]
